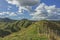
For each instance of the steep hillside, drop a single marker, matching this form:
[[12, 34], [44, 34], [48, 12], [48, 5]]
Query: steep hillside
[[29, 33], [7, 28], [30, 30]]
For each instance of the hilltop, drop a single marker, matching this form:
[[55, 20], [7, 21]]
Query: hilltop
[[29, 30]]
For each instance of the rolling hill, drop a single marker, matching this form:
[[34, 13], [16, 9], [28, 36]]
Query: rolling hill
[[29, 30]]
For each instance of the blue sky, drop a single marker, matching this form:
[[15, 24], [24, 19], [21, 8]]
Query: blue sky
[[52, 2], [11, 10]]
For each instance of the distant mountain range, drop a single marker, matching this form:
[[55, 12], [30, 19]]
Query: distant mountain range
[[28, 29], [5, 19]]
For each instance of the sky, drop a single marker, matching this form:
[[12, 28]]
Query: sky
[[30, 9]]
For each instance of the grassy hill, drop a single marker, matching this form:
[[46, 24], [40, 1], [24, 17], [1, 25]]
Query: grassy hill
[[30, 30]]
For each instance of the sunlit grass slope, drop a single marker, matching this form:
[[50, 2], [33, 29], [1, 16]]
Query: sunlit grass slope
[[29, 30], [30, 33]]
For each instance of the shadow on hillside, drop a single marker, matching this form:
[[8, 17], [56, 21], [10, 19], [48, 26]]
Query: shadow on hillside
[[4, 33]]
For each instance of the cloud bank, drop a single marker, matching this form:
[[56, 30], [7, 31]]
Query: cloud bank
[[44, 11], [23, 4], [41, 12]]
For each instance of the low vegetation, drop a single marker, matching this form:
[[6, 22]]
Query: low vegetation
[[29, 30]]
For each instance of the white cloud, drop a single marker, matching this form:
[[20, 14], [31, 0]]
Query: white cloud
[[12, 14], [15, 2], [21, 9], [7, 14], [1, 14], [44, 11], [23, 4]]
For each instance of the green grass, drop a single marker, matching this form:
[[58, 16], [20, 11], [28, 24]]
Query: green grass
[[28, 30], [30, 33]]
